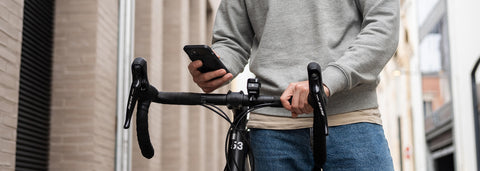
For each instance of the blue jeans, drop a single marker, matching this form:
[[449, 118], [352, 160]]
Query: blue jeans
[[360, 146]]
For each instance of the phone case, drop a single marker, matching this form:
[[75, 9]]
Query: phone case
[[204, 53]]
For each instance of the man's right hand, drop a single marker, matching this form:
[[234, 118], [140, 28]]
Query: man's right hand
[[206, 80]]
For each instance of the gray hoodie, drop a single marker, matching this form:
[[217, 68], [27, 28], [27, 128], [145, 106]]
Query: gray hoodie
[[352, 40]]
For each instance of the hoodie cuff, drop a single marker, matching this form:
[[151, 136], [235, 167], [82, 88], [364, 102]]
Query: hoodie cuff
[[228, 60], [335, 79]]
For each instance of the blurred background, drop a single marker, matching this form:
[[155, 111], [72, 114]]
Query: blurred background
[[65, 74]]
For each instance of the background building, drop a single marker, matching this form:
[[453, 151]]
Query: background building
[[435, 72], [442, 101], [58, 66], [394, 99]]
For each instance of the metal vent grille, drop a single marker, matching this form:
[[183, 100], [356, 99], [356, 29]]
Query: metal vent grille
[[35, 82]]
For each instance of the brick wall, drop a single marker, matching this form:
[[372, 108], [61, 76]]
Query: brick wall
[[175, 78], [106, 82], [84, 85], [148, 44], [184, 138], [11, 19]]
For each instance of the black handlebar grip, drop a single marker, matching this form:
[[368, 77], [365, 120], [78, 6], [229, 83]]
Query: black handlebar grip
[[143, 135], [273, 100], [180, 98]]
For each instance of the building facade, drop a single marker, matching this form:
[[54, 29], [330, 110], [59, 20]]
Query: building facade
[[393, 96], [10, 50], [80, 120], [444, 121], [426, 97], [464, 52]]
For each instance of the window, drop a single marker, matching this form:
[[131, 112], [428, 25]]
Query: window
[[427, 108], [34, 92]]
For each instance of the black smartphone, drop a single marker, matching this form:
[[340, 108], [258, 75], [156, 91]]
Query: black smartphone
[[206, 55]]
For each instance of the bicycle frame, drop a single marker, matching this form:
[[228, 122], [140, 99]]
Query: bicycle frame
[[238, 146]]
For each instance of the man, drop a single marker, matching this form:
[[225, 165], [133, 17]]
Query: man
[[352, 40]]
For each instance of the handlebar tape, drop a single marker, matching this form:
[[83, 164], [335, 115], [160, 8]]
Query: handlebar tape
[[273, 100], [179, 98], [143, 135], [231, 98]]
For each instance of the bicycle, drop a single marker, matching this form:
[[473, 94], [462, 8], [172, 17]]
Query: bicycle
[[237, 143]]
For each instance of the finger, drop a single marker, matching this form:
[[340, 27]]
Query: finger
[[215, 83], [285, 97], [303, 101], [193, 67], [296, 105], [208, 76], [212, 85], [225, 78], [326, 90], [294, 115], [309, 109], [207, 90]]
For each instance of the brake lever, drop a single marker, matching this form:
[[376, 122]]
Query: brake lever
[[317, 97], [139, 83], [142, 92], [132, 100], [318, 100]]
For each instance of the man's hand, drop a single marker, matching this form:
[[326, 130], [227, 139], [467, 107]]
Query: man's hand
[[206, 80], [298, 92]]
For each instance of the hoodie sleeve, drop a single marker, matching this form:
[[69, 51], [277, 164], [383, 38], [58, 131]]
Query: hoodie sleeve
[[232, 35], [370, 51]]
